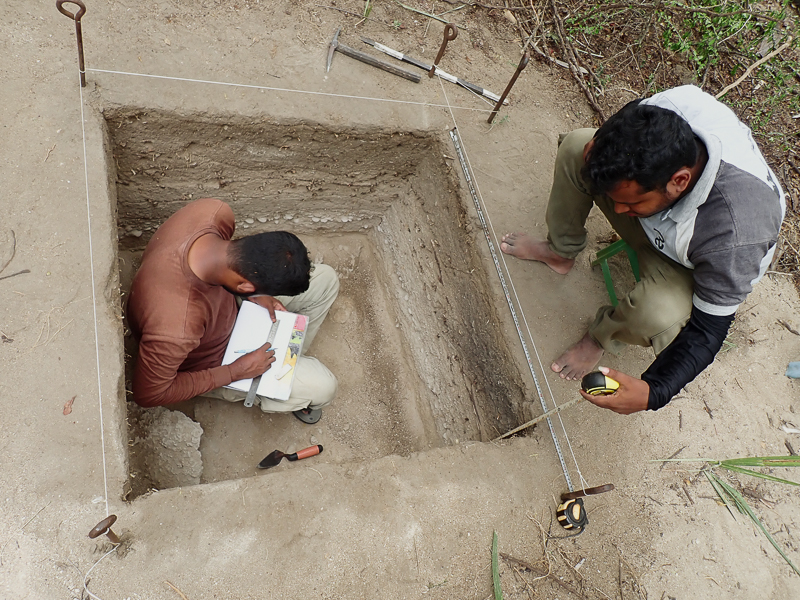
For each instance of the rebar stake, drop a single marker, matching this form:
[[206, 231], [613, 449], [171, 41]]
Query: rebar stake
[[450, 33], [522, 64], [77, 18]]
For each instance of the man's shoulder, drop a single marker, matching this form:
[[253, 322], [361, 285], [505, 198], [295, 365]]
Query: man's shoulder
[[209, 210], [740, 211]]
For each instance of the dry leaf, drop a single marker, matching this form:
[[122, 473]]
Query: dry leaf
[[68, 405]]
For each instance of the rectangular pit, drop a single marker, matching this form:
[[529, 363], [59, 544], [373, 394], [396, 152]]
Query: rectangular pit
[[413, 337]]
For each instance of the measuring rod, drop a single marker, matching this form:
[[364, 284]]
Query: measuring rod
[[471, 186]]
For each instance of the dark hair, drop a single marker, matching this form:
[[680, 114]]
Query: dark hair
[[641, 143], [275, 262]]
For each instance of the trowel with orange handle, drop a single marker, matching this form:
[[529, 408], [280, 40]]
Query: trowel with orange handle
[[274, 458]]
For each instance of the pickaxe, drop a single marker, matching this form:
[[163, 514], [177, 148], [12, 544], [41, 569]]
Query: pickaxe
[[366, 58]]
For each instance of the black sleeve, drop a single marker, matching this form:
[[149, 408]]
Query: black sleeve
[[685, 358]]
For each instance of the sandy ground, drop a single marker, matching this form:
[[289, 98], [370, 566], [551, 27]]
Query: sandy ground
[[397, 506]]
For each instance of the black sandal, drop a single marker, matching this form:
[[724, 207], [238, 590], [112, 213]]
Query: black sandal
[[308, 415]]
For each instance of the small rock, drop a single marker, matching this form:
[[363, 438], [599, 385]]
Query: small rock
[[249, 221], [314, 440], [262, 219], [136, 233]]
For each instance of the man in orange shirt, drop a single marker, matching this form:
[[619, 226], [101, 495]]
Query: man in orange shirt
[[182, 308]]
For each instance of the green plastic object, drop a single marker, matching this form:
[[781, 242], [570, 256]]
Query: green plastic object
[[602, 260]]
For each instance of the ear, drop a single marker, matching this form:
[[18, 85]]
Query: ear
[[243, 286], [679, 182]]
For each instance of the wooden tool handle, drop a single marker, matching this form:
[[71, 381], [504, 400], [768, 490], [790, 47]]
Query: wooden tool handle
[[371, 60]]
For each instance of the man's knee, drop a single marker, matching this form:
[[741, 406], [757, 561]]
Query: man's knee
[[325, 392], [662, 317], [571, 145], [326, 280]]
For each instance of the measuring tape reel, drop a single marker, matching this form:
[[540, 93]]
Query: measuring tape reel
[[571, 514], [597, 384]]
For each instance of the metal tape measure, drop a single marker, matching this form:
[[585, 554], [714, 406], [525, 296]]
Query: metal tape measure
[[597, 384], [572, 515]]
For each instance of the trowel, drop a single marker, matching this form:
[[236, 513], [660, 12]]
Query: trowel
[[274, 458]]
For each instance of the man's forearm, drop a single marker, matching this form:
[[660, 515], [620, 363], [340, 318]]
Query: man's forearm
[[149, 391], [686, 357]]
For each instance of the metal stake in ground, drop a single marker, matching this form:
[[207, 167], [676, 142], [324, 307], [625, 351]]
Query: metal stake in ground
[[77, 18], [522, 64], [450, 33], [104, 526], [366, 58]]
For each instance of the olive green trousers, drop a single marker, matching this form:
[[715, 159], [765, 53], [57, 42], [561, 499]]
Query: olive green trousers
[[658, 307]]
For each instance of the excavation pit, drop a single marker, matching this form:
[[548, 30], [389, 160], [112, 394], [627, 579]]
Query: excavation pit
[[414, 337]]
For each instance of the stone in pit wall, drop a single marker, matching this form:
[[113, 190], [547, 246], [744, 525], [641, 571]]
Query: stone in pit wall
[[170, 447]]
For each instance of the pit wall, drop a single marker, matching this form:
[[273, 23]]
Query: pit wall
[[393, 186], [443, 303]]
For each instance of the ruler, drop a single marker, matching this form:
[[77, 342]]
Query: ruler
[[456, 142], [251, 393]]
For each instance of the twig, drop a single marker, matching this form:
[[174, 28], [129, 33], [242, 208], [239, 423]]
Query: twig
[[754, 66], [13, 251], [573, 67], [20, 529], [627, 5], [488, 6], [527, 585], [708, 409], [546, 415], [347, 12], [15, 274], [177, 590], [317, 472], [789, 327], [48, 153], [520, 563], [639, 587], [422, 12], [673, 455]]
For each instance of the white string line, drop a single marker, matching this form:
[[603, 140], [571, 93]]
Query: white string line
[[94, 299], [533, 343], [86, 577], [519, 305], [277, 89]]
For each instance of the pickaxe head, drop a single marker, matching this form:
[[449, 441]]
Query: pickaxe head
[[332, 48]]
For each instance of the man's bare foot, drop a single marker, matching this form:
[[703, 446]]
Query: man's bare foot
[[579, 359], [525, 247]]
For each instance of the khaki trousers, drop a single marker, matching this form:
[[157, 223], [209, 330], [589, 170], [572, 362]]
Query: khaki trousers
[[658, 307], [314, 385]]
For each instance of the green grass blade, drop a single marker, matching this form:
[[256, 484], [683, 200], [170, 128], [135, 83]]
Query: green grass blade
[[736, 469], [726, 500], [763, 461], [498, 591], [745, 508]]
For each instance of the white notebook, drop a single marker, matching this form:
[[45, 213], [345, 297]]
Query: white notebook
[[251, 331]]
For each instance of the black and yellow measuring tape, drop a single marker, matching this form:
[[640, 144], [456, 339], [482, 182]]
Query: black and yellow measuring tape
[[571, 514], [597, 384]]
